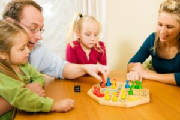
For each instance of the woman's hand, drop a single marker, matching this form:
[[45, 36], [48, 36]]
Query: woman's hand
[[133, 75], [138, 68], [136, 71]]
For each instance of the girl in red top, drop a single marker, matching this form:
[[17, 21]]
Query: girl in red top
[[86, 48]]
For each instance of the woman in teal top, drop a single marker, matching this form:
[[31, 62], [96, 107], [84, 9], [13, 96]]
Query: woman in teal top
[[163, 46], [16, 73]]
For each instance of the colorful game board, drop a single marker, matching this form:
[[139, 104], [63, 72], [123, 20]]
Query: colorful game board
[[119, 93]]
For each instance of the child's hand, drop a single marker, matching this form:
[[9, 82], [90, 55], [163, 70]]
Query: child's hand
[[5, 106], [36, 88], [63, 105]]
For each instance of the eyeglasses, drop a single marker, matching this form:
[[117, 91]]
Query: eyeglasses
[[33, 29]]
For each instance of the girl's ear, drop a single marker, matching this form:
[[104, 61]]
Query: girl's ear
[[3, 55]]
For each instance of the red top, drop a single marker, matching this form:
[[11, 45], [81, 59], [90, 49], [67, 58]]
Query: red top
[[76, 54]]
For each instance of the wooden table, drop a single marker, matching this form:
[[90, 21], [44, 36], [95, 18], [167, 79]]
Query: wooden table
[[164, 105]]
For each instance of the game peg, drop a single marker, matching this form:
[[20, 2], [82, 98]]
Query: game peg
[[130, 92], [140, 85], [108, 83], [137, 84], [97, 92], [113, 85], [123, 95], [103, 84], [106, 97], [114, 98], [107, 92], [127, 85], [132, 85]]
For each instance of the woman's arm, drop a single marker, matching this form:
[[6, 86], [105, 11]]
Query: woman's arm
[[144, 51], [164, 78], [140, 72]]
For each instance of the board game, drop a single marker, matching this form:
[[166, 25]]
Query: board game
[[119, 93]]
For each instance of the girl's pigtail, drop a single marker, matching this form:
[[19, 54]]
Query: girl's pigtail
[[72, 29]]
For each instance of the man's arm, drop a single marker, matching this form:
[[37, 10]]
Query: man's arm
[[48, 63], [72, 71]]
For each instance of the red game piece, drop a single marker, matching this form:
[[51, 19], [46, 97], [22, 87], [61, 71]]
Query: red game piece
[[97, 92]]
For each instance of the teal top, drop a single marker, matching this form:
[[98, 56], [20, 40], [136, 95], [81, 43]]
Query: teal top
[[160, 65], [22, 98]]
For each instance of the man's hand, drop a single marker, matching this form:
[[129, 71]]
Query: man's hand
[[97, 71], [36, 88]]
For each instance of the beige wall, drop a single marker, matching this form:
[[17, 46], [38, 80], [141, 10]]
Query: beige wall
[[129, 22]]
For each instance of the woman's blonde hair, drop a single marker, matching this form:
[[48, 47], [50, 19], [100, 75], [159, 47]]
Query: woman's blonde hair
[[76, 25], [8, 31], [172, 7]]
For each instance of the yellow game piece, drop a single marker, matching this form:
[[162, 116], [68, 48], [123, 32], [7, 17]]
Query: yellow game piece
[[114, 98], [107, 96], [107, 92], [123, 95], [113, 85]]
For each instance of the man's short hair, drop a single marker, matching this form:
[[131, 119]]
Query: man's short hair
[[15, 7]]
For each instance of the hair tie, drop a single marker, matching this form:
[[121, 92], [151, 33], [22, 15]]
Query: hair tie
[[80, 15]]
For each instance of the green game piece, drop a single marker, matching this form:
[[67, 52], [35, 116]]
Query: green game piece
[[137, 84], [130, 92], [132, 85], [140, 85]]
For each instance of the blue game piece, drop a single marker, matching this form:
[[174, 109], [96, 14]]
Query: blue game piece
[[127, 85], [108, 83]]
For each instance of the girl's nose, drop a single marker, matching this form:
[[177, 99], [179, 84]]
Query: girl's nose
[[93, 38]]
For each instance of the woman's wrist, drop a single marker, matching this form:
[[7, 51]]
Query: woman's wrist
[[145, 74]]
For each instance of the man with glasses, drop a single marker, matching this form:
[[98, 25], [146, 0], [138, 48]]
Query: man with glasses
[[28, 14]]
